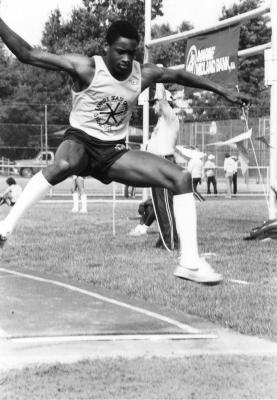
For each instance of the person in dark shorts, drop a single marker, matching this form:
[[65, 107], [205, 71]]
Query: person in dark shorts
[[104, 93]]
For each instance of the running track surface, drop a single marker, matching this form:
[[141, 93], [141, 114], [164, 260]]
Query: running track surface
[[46, 319]]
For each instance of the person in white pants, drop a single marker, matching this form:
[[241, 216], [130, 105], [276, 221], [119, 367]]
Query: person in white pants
[[105, 91], [78, 191]]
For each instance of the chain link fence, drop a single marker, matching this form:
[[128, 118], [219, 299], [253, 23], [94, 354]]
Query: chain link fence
[[20, 140]]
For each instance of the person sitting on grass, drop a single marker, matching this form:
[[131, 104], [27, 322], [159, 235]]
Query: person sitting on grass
[[12, 193], [104, 93], [147, 217]]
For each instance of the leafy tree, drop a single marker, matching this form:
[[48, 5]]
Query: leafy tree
[[169, 54], [85, 31], [25, 92], [8, 77]]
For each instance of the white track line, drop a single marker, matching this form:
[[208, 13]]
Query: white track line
[[110, 338], [60, 201], [185, 327], [239, 282]]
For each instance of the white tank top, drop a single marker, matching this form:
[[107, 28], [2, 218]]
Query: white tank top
[[103, 110]]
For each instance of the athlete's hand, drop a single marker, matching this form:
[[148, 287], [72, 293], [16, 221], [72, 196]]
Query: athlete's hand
[[238, 98]]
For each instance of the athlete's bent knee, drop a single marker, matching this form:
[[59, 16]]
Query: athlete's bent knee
[[58, 171], [63, 167]]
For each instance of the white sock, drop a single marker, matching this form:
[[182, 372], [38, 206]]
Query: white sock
[[75, 196], [84, 202], [186, 225], [34, 191]]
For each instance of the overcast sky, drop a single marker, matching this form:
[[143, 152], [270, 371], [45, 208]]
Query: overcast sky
[[27, 17]]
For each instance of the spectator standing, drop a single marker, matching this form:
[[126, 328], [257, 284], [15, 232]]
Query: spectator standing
[[78, 190], [229, 170], [131, 193], [210, 172], [196, 168], [235, 175]]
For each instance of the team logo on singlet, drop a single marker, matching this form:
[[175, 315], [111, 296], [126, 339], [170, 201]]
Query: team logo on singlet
[[111, 112]]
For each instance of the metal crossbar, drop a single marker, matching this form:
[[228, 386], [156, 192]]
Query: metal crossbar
[[221, 24]]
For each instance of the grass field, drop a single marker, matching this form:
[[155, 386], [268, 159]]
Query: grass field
[[222, 377], [52, 240]]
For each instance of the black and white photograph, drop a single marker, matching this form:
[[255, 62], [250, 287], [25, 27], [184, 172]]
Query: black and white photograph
[[138, 199]]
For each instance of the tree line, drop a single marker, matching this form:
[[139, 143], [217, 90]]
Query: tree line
[[24, 90]]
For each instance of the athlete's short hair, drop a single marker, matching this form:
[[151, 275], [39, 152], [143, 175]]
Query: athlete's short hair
[[10, 181], [121, 28]]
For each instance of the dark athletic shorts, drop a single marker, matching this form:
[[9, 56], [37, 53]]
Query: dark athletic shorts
[[102, 154]]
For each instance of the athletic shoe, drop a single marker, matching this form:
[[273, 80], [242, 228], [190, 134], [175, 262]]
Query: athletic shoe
[[139, 230], [202, 273], [136, 233], [83, 211], [74, 210]]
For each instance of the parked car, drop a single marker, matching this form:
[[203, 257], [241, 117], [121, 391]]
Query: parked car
[[28, 167], [6, 166]]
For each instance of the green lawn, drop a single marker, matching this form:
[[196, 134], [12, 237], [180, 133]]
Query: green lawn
[[81, 247], [198, 377], [52, 240]]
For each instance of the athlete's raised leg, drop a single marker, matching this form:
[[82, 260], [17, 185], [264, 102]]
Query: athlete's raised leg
[[145, 169], [70, 159]]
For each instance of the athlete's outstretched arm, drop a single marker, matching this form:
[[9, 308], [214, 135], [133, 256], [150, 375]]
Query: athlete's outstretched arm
[[153, 74], [73, 64]]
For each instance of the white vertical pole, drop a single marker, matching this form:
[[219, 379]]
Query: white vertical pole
[[46, 140], [114, 202], [147, 38], [267, 181], [41, 137], [273, 111], [46, 131]]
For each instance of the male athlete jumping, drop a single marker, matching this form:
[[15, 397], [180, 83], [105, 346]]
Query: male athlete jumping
[[104, 93]]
